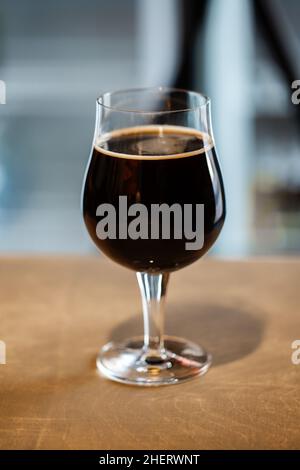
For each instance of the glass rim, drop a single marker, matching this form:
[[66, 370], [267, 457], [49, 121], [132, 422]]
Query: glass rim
[[206, 100]]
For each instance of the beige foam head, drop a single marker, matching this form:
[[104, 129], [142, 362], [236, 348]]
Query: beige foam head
[[161, 131]]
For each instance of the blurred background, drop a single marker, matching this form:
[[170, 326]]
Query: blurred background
[[57, 57]]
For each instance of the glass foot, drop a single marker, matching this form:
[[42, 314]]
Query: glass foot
[[127, 362]]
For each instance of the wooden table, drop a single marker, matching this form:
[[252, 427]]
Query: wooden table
[[56, 312]]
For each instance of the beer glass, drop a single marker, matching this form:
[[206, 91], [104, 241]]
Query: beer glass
[[153, 201]]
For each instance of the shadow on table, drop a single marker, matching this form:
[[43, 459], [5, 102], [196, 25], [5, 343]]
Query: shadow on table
[[227, 333]]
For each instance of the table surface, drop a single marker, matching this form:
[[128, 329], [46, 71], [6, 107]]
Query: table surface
[[56, 313]]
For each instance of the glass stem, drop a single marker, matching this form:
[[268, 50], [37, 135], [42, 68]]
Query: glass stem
[[153, 290]]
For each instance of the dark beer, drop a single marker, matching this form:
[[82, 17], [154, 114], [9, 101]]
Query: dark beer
[[154, 165]]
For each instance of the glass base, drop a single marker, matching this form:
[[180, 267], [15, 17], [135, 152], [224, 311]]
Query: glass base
[[129, 363]]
